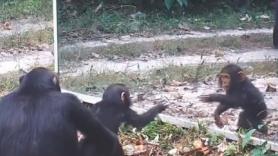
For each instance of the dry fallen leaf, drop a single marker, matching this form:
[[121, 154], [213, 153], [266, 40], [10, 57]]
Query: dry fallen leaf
[[198, 143]]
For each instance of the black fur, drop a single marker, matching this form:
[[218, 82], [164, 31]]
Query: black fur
[[112, 112], [38, 120], [275, 29], [243, 94]]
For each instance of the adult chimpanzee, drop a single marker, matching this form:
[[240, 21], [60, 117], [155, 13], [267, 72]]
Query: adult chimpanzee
[[114, 109], [275, 30], [38, 120], [240, 92]]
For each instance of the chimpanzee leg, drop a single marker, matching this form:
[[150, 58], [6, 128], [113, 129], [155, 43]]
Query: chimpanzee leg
[[249, 121], [257, 123], [243, 121]]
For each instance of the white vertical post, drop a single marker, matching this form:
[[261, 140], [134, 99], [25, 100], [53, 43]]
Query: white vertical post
[[55, 29]]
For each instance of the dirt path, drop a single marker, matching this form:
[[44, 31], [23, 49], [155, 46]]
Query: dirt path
[[25, 62], [137, 65], [142, 66], [193, 34], [18, 57]]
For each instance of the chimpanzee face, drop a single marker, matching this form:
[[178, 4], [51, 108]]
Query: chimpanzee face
[[225, 80]]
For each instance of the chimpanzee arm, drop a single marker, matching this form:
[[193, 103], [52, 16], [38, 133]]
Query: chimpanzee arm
[[83, 119], [142, 120], [220, 109], [228, 100]]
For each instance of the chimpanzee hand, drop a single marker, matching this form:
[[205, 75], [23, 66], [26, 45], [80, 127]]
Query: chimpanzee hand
[[209, 98], [161, 107], [205, 98], [218, 121]]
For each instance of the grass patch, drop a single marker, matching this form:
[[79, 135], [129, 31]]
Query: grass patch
[[28, 39], [187, 141], [189, 46], [109, 21], [15, 9], [96, 82], [9, 82]]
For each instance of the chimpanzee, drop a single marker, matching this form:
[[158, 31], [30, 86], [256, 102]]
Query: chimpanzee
[[275, 30], [38, 120], [114, 109], [240, 92]]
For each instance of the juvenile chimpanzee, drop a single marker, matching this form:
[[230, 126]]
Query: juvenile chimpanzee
[[275, 30], [240, 92], [38, 120], [114, 109]]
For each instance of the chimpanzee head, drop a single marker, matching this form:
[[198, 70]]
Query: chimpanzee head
[[39, 80], [230, 77], [117, 94]]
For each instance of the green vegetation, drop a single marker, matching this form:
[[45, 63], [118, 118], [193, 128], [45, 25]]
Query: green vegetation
[[118, 20], [95, 82], [170, 136], [9, 82], [14, 9], [190, 46], [28, 39]]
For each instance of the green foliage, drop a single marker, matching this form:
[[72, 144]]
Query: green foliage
[[247, 138], [260, 150], [8, 82], [162, 129], [231, 150], [215, 139], [167, 133], [10, 9], [28, 39], [243, 147], [112, 21]]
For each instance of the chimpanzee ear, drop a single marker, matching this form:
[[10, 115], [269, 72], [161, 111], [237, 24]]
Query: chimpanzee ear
[[55, 80], [242, 76], [123, 97]]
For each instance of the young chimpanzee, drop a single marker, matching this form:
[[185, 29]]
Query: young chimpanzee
[[38, 120], [275, 30], [114, 109], [240, 92]]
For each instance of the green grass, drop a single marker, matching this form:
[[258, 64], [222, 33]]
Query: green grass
[[9, 82], [171, 136], [94, 82], [120, 22], [190, 46], [15, 9], [28, 39]]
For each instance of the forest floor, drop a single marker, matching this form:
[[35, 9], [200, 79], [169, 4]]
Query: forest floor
[[173, 67]]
